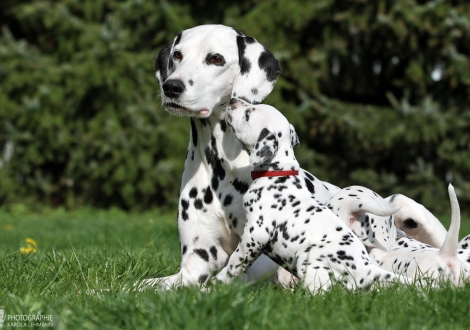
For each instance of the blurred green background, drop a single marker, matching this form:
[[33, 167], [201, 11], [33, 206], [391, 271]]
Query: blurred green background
[[378, 92]]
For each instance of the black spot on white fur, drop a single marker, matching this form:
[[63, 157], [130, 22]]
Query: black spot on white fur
[[410, 223], [193, 192], [203, 278], [193, 132], [213, 251], [208, 196], [228, 200], [212, 157], [202, 253], [244, 62], [184, 209], [240, 186], [270, 65]]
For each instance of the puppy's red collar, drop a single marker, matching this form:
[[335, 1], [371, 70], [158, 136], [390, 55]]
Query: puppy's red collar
[[259, 174]]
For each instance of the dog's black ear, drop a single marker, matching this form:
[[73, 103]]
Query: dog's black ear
[[265, 149], [163, 62], [294, 139], [259, 71]]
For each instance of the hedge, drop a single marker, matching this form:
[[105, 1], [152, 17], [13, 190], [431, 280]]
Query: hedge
[[378, 92]]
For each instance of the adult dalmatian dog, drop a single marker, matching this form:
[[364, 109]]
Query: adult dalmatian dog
[[198, 72], [285, 220]]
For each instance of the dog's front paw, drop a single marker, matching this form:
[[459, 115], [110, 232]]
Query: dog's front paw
[[209, 283]]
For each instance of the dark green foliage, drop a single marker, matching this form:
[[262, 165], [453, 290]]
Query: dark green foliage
[[80, 104], [378, 92]]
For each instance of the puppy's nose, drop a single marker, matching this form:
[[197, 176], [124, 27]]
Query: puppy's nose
[[173, 88]]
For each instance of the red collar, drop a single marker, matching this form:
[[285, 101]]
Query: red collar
[[259, 174]]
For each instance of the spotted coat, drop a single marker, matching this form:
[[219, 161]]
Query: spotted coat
[[284, 219]]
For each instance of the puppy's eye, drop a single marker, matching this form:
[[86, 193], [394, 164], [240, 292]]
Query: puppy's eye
[[177, 55], [215, 59]]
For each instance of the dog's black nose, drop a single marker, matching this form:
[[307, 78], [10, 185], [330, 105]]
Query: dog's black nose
[[233, 100], [173, 88]]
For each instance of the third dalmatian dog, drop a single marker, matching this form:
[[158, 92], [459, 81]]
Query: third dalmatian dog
[[360, 208], [284, 219], [448, 262]]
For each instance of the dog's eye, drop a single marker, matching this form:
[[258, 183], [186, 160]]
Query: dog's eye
[[215, 59], [177, 55]]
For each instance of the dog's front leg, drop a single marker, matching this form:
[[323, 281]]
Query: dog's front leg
[[196, 267], [248, 250]]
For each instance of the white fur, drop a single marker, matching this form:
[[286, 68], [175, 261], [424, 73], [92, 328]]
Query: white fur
[[416, 221]]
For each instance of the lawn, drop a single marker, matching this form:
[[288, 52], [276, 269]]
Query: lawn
[[90, 249]]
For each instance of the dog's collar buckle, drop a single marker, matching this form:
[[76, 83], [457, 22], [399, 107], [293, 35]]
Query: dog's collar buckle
[[260, 174]]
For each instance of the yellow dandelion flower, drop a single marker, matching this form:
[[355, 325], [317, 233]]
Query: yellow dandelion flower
[[27, 250], [30, 246], [31, 242]]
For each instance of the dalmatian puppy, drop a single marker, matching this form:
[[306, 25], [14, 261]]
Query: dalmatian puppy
[[368, 215], [463, 251], [416, 221], [198, 72], [404, 254], [422, 228], [410, 244], [285, 220], [443, 263]]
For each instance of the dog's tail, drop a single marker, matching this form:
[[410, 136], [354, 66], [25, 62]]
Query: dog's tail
[[351, 208], [382, 212], [449, 247]]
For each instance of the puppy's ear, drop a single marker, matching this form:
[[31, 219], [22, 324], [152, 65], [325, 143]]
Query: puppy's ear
[[294, 139], [265, 149], [163, 61], [259, 71]]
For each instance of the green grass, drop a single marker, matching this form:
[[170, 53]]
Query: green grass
[[89, 249]]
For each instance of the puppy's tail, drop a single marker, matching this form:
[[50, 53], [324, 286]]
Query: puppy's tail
[[377, 211], [449, 247]]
